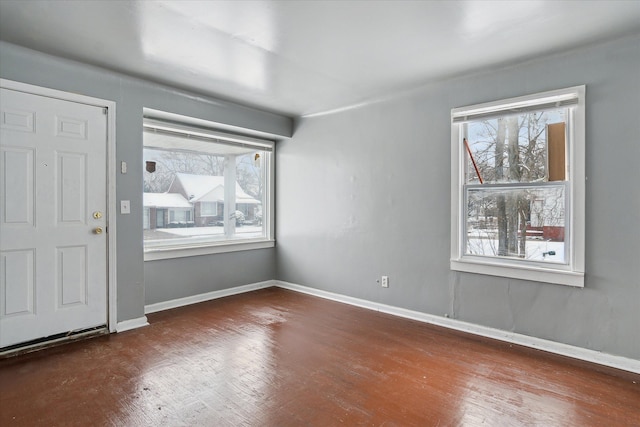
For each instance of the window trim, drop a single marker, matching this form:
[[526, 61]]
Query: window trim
[[170, 252], [155, 119], [571, 273]]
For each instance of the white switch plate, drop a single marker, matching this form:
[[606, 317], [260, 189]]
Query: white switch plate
[[125, 207], [123, 167]]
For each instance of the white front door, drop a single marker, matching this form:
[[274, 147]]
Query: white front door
[[53, 244]]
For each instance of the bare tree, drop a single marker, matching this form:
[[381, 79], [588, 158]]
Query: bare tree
[[249, 175], [501, 200], [170, 163]]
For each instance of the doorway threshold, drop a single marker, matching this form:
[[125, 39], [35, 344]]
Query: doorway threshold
[[52, 341]]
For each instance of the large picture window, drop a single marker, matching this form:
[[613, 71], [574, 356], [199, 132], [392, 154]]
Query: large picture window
[[204, 191], [518, 187]]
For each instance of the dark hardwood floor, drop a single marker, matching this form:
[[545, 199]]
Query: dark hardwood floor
[[279, 358]]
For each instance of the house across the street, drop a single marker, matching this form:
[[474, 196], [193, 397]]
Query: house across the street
[[196, 201]]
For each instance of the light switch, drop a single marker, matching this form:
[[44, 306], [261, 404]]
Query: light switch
[[123, 167], [125, 207]]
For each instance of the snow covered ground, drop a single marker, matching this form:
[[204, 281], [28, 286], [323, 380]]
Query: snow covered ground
[[207, 231], [485, 242], [246, 231]]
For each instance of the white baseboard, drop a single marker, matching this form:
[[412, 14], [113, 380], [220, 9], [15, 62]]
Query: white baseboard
[[127, 325], [580, 353], [181, 302]]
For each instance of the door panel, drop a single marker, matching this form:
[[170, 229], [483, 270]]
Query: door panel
[[72, 276], [72, 190], [19, 177], [17, 283], [54, 266]]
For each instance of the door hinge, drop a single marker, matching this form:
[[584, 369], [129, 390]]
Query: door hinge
[[105, 110]]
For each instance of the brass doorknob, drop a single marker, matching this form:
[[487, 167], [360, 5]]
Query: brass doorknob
[[97, 230]]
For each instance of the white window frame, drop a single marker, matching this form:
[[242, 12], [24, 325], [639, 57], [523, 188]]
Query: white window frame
[[201, 128], [571, 273]]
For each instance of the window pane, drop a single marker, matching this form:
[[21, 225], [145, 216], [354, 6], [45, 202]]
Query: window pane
[[250, 172], [528, 147], [525, 223], [145, 219], [209, 209], [186, 194]]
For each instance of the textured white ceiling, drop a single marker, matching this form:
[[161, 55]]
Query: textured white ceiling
[[307, 57]]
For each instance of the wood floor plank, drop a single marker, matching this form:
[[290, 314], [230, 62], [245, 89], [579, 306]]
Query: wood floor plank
[[274, 357]]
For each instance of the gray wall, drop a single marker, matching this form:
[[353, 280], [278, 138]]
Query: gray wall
[[366, 192], [181, 277], [131, 96]]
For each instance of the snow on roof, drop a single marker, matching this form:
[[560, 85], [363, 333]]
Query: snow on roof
[[165, 200], [207, 188]]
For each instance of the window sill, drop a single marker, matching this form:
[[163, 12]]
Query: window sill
[[168, 252], [536, 274]]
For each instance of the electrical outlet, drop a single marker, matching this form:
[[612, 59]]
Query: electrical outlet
[[385, 281]]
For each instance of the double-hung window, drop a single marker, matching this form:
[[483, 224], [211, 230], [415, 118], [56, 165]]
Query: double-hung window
[[518, 187], [205, 191]]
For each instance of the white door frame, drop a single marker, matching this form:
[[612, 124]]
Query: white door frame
[[112, 312]]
